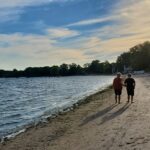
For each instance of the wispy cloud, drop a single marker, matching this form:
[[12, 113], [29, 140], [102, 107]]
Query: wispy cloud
[[39, 49], [62, 33], [91, 21], [131, 26], [23, 3], [11, 10], [10, 14]]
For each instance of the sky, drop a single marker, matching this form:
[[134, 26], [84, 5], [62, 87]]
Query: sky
[[40, 33]]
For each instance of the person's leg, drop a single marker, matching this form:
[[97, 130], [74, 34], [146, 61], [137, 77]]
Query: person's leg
[[132, 99], [132, 94], [115, 95], [119, 95], [128, 98], [128, 93], [119, 98], [116, 98]]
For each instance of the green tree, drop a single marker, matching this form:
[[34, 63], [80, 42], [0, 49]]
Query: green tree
[[123, 60], [107, 67], [73, 69], [63, 69], [54, 71], [95, 67]]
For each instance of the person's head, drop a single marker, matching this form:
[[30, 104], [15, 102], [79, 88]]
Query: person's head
[[129, 75], [118, 74]]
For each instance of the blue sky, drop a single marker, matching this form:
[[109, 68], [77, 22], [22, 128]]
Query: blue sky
[[48, 32]]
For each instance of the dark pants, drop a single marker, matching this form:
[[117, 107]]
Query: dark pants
[[118, 91], [130, 91]]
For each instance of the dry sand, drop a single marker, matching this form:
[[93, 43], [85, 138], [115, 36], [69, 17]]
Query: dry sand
[[97, 125]]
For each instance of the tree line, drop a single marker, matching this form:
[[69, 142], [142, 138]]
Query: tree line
[[137, 58], [94, 68]]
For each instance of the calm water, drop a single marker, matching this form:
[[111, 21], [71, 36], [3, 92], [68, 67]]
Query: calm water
[[28, 100]]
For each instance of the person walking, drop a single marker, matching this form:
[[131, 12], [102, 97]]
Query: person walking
[[117, 85], [130, 86]]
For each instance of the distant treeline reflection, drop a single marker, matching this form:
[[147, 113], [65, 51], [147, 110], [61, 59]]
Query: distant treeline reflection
[[137, 58]]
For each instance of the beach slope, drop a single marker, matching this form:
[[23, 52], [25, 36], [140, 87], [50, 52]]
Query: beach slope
[[97, 125]]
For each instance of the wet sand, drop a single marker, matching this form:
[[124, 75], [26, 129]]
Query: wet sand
[[98, 124]]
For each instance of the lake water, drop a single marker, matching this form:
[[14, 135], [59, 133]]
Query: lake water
[[24, 101]]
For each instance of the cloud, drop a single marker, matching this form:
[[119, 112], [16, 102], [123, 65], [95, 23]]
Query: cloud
[[10, 14], [11, 10], [51, 37], [131, 12], [38, 50], [24, 3], [27, 45], [19, 39], [91, 21], [62, 33], [131, 26]]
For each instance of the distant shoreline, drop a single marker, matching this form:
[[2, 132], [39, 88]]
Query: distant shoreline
[[55, 76]]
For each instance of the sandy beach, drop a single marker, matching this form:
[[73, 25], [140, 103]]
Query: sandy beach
[[98, 124]]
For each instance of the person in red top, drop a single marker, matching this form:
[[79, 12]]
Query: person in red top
[[117, 85]]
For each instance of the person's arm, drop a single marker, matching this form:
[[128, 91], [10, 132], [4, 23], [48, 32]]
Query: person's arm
[[125, 82], [113, 83], [122, 81]]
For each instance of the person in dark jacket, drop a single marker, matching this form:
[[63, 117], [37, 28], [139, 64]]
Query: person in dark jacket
[[130, 86]]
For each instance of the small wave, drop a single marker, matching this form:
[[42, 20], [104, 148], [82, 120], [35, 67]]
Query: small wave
[[12, 116], [11, 135]]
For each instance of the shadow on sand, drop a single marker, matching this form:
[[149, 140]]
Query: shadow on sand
[[115, 114], [98, 114]]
